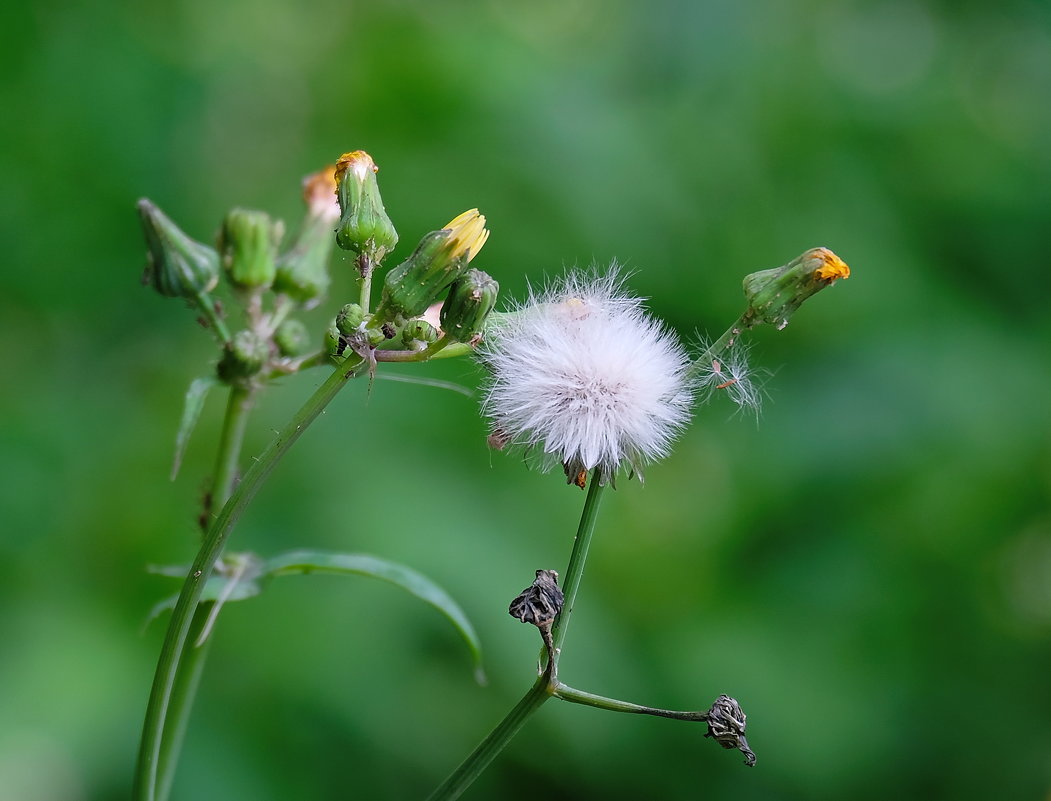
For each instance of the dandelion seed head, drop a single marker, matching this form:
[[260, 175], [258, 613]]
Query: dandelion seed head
[[582, 372]]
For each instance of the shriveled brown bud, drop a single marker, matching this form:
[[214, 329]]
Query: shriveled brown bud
[[540, 602], [726, 722]]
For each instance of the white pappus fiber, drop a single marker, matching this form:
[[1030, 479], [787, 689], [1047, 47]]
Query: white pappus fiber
[[582, 372]]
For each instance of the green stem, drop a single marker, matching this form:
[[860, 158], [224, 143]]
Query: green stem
[[546, 683], [193, 655], [238, 405], [184, 691], [439, 349], [365, 267], [211, 548], [567, 693], [211, 314], [469, 770], [283, 306], [704, 361], [575, 571]]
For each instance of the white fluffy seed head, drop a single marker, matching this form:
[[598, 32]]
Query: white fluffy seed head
[[583, 373]]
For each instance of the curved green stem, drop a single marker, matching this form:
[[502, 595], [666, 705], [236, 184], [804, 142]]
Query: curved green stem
[[145, 788], [567, 693], [184, 691], [472, 767], [546, 684], [191, 660]]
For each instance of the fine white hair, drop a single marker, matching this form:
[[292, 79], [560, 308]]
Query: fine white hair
[[582, 372]]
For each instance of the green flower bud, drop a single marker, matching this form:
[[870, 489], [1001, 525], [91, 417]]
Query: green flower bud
[[775, 295], [364, 226], [177, 266], [292, 338], [349, 319], [243, 357], [465, 311], [419, 331], [440, 258], [335, 345], [248, 246], [302, 272]]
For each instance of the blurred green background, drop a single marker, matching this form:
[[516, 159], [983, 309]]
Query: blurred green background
[[868, 569]]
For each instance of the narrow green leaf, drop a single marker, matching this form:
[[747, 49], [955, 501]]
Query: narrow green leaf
[[191, 412], [303, 562]]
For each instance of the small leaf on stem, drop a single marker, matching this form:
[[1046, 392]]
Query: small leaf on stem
[[191, 413]]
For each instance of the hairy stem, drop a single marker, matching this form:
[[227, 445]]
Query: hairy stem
[[158, 707], [546, 684]]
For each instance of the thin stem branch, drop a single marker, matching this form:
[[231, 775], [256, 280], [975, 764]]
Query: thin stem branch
[[546, 683], [729, 337], [443, 348], [567, 693], [157, 710], [479, 759], [283, 306], [238, 405], [211, 314], [577, 560]]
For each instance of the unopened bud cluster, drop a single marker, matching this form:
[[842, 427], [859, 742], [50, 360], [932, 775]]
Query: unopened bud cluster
[[343, 207]]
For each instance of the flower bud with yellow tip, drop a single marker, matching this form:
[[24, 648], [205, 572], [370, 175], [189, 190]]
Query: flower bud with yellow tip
[[439, 260], [364, 227], [775, 295]]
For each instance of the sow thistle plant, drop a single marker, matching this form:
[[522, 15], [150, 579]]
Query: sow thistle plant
[[579, 377]]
